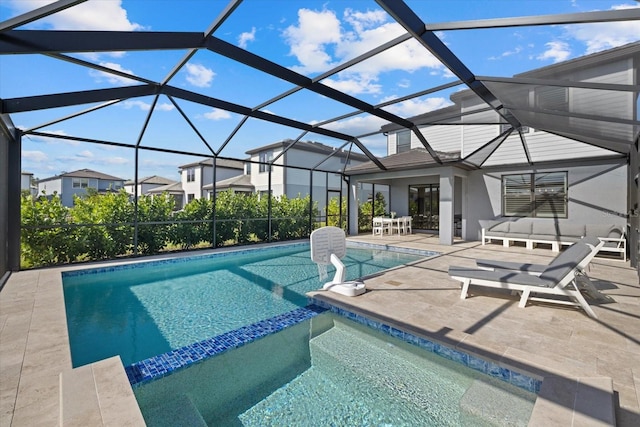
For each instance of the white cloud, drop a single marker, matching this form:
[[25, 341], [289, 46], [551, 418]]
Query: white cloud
[[114, 161], [85, 154], [34, 156], [415, 107], [359, 125], [358, 84], [556, 51], [217, 114], [606, 35], [246, 37], [319, 41], [52, 140], [199, 75], [308, 40], [91, 15], [112, 78], [145, 106], [507, 53]]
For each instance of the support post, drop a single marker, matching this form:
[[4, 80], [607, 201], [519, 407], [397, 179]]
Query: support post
[[446, 224], [13, 201]]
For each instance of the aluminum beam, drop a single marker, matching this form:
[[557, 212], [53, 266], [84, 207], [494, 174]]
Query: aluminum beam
[[406, 17], [66, 99], [15, 42], [529, 21], [36, 14]]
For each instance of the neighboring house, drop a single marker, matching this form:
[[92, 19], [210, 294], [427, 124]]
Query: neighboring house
[[68, 184], [26, 179], [237, 184], [195, 176], [294, 182], [486, 173], [174, 190], [146, 184]]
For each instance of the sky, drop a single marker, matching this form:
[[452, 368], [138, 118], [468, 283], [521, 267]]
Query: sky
[[308, 37]]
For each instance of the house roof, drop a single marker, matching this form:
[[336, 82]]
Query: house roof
[[236, 183], [413, 159], [154, 179], [173, 188], [224, 163], [84, 173], [309, 146]]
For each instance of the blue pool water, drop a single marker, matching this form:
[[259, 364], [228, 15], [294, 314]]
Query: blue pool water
[[141, 310], [330, 371]]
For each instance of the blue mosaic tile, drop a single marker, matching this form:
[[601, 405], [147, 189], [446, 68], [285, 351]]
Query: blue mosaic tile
[[162, 365]]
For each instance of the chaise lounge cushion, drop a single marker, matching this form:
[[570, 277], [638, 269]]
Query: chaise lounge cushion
[[564, 263]]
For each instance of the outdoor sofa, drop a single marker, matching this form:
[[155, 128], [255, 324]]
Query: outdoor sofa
[[554, 233]]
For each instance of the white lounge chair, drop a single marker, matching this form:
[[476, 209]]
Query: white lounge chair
[[536, 269], [558, 278]]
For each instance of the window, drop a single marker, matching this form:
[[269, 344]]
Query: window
[[80, 183], [190, 197], [403, 141], [265, 158], [191, 174], [552, 97], [542, 195]]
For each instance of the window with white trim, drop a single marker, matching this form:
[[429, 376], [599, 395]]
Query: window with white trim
[[191, 174], [403, 141], [265, 157], [541, 195], [80, 183], [552, 98]]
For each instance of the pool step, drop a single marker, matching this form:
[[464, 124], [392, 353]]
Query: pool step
[[587, 402], [176, 412], [484, 404], [427, 380], [89, 393]]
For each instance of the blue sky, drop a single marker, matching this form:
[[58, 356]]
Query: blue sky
[[309, 37]]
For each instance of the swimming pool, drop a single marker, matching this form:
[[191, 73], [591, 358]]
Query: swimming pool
[[140, 310], [328, 370]]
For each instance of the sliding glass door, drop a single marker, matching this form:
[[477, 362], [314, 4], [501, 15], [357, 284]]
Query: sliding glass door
[[424, 206]]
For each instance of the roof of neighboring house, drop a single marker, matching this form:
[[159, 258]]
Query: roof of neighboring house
[[315, 147], [412, 159], [173, 188], [225, 163], [154, 179], [236, 183], [84, 173]]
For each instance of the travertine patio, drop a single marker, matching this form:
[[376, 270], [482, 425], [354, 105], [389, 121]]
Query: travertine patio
[[539, 339]]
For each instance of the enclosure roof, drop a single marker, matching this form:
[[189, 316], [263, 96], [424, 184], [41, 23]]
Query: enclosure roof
[[192, 79]]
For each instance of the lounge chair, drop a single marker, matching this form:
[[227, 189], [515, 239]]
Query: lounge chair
[[536, 269], [557, 278]]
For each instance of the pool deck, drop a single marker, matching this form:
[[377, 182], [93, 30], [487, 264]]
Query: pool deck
[[544, 340]]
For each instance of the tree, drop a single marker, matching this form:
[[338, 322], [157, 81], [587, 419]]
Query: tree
[[156, 211]]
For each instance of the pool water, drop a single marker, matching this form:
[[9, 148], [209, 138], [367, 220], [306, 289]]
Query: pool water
[[141, 310], [329, 371]]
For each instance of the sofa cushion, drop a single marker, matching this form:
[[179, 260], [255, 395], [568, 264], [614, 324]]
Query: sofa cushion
[[520, 227], [603, 230], [545, 228], [500, 226], [571, 229]]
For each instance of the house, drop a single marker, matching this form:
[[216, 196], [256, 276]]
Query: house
[[174, 190], [26, 179], [146, 184], [195, 176], [292, 182], [475, 166], [69, 184]]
